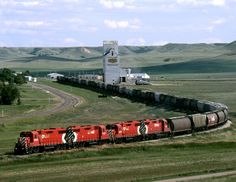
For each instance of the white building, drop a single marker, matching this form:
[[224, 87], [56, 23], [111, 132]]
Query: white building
[[29, 78], [54, 75], [111, 62], [139, 76], [34, 79]]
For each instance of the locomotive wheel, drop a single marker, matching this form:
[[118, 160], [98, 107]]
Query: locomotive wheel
[[36, 150], [30, 150], [118, 140]]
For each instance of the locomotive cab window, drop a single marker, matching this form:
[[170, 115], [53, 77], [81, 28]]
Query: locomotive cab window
[[22, 135]]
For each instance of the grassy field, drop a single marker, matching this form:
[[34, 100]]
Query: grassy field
[[198, 154], [201, 71], [139, 162], [32, 99]]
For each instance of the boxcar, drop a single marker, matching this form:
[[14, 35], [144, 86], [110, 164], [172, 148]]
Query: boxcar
[[199, 121]]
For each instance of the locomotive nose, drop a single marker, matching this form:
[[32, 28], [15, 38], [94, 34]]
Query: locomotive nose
[[20, 146]]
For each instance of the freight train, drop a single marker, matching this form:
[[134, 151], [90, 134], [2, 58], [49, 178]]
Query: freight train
[[209, 115]]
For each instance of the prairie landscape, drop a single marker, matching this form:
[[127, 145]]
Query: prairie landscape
[[201, 71]]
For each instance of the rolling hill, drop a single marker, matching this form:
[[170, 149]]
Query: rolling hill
[[170, 58]]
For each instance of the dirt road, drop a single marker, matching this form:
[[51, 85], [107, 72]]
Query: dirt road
[[198, 177], [66, 101]]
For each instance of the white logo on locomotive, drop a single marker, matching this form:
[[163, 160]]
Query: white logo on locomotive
[[146, 130], [64, 135]]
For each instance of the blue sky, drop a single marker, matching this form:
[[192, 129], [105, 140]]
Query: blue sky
[[59, 23]]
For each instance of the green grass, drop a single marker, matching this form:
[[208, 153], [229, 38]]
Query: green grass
[[170, 158], [31, 99], [142, 162], [193, 155]]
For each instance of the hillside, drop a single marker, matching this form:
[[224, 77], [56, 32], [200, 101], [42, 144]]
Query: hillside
[[170, 58]]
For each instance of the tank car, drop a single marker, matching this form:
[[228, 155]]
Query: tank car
[[180, 124]]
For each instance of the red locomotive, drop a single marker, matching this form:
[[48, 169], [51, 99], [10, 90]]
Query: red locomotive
[[39, 140], [76, 136]]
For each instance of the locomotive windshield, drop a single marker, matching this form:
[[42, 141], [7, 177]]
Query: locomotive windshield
[[26, 134]]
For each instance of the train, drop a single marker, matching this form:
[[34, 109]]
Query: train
[[205, 115]]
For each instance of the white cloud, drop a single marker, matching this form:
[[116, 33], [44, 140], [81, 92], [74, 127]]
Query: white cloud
[[110, 4], [218, 2], [218, 21], [114, 24], [136, 41], [71, 1], [161, 42], [212, 40], [2, 44], [31, 3], [69, 40], [202, 2], [73, 20], [25, 23], [215, 23], [25, 3]]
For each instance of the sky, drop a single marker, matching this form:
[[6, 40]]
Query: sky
[[66, 23]]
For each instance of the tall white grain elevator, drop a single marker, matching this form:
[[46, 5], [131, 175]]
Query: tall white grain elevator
[[111, 62]]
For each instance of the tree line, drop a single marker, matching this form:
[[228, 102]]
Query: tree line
[[9, 80]]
